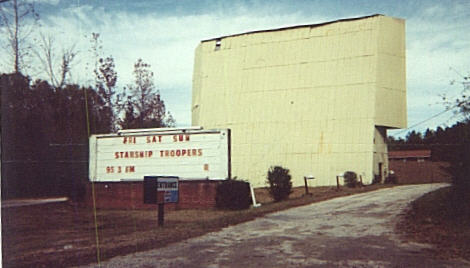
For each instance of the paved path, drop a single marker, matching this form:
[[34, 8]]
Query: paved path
[[31, 202], [352, 231]]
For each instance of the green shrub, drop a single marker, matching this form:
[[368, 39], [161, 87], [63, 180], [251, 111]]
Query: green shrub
[[350, 179], [280, 185], [377, 179], [233, 194], [391, 179]]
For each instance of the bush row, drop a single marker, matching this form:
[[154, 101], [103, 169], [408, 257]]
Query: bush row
[[235, 194]]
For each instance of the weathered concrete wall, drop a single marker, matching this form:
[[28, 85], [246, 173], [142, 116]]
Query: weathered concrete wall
[[307, 98], [380, 153]]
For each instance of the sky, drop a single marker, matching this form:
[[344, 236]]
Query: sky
[[165, 33]]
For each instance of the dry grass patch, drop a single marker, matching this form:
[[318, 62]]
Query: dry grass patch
[[440, 218], [60, 235]]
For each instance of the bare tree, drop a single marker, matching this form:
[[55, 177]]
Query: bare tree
[[461, 103], [17, 20], [460, 165], [56, 67]]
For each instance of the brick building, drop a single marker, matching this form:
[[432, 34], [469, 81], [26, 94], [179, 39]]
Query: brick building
[[415, 166]]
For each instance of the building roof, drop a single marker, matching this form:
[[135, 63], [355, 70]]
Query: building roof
[[293, 27], [409, 154]]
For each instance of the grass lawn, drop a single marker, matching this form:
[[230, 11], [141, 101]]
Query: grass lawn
[[442, 219], [63, 234]]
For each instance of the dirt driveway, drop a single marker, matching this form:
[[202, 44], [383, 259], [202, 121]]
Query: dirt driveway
[[352, 231]]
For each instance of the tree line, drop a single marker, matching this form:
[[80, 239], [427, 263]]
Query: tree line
[[451, 144], [45, 124], [443, 142], [45, 128]]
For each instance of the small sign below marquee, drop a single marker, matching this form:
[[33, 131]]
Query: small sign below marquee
[[161, 189], [167, 187]]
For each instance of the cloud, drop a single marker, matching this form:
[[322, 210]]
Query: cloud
[[436, 40], [437, 50], [167, 43], [48, 2]]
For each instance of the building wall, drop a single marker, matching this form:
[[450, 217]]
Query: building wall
[[390, 91], [410, 172], [381, 163], [306, 98]]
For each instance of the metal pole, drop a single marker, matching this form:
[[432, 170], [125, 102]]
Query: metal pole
[[93, 193]]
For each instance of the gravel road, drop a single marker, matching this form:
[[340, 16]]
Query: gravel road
[[352, 231]]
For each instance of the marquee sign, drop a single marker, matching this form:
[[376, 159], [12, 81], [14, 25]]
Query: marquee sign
[[182, 153]]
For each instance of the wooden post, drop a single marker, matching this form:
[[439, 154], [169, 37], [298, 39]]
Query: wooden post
[[337, 183], [306, 186], [161, 213], [360, 177], [161, 208], [253, 198]]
